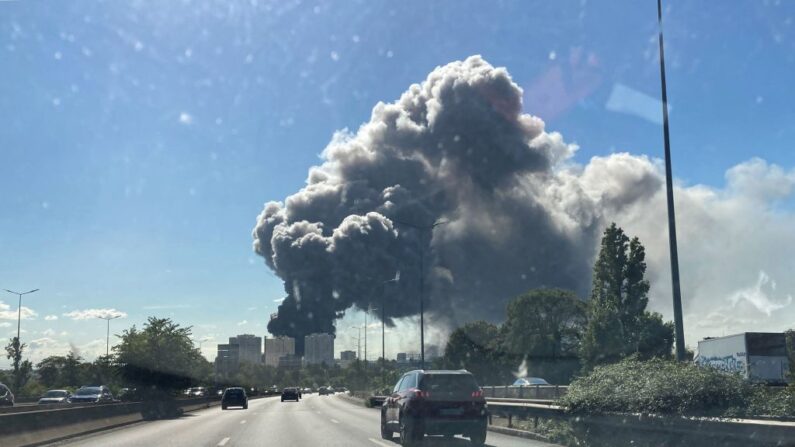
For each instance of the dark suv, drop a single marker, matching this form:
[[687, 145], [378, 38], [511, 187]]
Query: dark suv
[[291, 394], [435, 403], [234, 397]]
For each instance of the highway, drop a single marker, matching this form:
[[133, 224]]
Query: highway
[[315, 421]]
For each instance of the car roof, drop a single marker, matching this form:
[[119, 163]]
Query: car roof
[[441, 371]]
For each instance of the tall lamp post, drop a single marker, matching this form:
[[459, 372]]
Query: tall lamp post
[[107, 337], [422, 280], [19, 310], [669, 189]]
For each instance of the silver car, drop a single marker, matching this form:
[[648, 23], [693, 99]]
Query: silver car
[[6, 396], [54, 397]]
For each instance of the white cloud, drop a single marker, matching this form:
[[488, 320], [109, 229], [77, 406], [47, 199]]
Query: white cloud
[[51, 317], [242, 323], [94, 313], [49, 332], [5, 324], [6, 313]]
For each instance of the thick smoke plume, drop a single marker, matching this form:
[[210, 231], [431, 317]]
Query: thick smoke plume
[[458, 150]]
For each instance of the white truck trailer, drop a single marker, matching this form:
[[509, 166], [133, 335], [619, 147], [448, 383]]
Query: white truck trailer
[[757, 356]]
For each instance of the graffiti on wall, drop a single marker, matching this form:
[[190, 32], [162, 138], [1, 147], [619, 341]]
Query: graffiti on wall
[[728, 363]]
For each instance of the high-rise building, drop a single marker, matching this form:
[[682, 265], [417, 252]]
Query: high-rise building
[[227, 360], [319, 348], [250, 348], [278, 347]]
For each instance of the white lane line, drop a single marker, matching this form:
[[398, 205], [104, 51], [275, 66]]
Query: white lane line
[[335, 421], [243, 421], [223, 442], [382, 444]]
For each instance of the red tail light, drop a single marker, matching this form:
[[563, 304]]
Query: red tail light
[[419, 393], [478, 393]]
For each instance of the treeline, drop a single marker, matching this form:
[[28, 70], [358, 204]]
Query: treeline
[[554, 334]]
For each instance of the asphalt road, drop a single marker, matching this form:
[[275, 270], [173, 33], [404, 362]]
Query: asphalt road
[[315, 421]]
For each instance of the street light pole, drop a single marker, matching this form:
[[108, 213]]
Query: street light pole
[[107, 339], [19, 310], [669, 189], [422, 281]]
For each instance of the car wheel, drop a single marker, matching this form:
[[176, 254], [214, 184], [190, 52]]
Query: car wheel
[[478, 438], [282, 399], [386, 433], [245, 407], [223, 407]]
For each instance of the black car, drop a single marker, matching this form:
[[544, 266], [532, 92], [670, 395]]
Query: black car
[[435, 403], [291, 394], [234, 397], [325, 391], [91, 394], [6, 396]]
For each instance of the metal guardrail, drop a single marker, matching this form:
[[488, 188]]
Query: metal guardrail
[[550, 392]]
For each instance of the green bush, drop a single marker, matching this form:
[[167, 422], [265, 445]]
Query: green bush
[[668, 387]]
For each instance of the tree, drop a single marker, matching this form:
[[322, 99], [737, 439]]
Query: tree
[[22, 369], [159, 360], [72, 373], [543, 328], [476, 347], [49, 370], [618, 323]]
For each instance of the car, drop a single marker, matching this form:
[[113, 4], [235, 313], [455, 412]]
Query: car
[[435, 402], [306, 391], [196, 392], [234, 397], [528, 381], [324, 391], [291, 394], [55, 397], [6, 396], [91, 394]]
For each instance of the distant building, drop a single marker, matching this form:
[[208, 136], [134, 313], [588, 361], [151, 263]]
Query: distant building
[[289, 361], [319, 348], [227, 359], [346, 358], [250, 348], [277, 347], [401, 357]]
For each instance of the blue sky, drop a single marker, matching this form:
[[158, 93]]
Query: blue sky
[[139, 140]]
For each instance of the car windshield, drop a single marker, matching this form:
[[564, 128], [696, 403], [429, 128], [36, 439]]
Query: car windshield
[[448, 382], [88, 391], [210, 198], [56, 394]]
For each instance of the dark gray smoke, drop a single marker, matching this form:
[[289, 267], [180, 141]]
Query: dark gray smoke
[[455, 148]]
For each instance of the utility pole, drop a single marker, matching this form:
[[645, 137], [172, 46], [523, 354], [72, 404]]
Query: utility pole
[[107, 339], [422, 280], [669, 189], [19, 310]]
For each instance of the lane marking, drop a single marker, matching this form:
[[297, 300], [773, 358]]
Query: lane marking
[[382, 444], [243, 421], [335, 421], [223, 442]]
